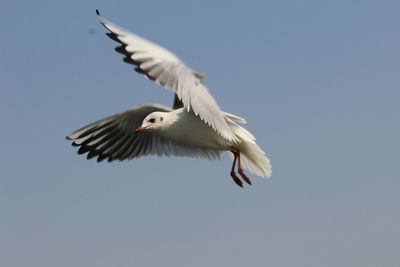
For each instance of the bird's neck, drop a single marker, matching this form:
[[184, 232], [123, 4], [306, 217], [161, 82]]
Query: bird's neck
[[171, 120]]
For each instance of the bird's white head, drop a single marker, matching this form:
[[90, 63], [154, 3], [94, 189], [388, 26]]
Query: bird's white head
[[153, 122]]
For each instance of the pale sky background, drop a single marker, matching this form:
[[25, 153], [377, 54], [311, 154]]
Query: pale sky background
[[318, 82]]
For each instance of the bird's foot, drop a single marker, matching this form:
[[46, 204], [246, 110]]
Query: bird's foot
[[245, 178], [236, 179]]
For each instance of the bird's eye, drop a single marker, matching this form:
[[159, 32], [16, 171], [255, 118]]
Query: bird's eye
[[152, 120]]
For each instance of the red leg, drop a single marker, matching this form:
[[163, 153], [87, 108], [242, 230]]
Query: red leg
[[233, 174], [240, 170]]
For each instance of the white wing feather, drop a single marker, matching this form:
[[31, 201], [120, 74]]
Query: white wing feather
[[114, 138], [166, 69]]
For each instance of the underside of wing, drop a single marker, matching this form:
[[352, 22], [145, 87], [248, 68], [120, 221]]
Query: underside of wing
[[114, 138], [166, 69]]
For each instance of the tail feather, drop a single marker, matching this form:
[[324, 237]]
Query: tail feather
[[252, 156], [234, 118], [254, 159]]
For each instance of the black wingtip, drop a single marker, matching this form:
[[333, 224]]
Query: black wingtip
[[97, 12]]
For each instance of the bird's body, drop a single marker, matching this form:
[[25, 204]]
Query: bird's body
[[195, 126], [188, 129]]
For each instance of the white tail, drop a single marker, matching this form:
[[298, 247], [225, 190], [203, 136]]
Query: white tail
[[254, 159], [252, 156]]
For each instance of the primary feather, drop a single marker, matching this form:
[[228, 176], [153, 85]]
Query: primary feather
[[166, 69]]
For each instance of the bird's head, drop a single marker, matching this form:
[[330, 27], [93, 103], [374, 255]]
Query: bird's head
[[153, 122]]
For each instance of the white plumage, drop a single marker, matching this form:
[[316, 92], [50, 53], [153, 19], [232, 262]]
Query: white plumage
[[195, 126]]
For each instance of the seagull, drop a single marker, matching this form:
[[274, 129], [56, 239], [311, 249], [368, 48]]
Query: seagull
[[195, 126]]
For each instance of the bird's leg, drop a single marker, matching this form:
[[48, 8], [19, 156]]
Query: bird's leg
[[233, 174], [240, 170]]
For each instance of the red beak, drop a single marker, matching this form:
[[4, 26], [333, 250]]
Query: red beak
[[140, 129]]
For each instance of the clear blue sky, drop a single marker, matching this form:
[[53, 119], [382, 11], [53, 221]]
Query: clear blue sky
[[318, 82]]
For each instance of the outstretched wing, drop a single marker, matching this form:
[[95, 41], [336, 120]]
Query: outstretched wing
[[166, 69], [114, 138]]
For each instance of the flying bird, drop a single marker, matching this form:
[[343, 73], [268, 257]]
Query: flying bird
[[195, 126]]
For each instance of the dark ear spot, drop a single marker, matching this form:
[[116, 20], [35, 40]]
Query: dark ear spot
[[161, 118]]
